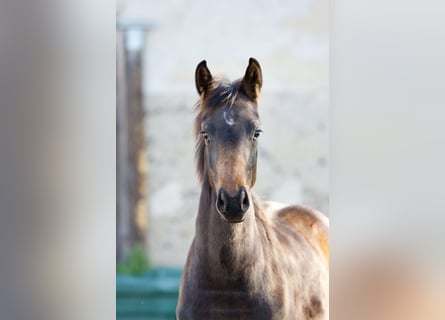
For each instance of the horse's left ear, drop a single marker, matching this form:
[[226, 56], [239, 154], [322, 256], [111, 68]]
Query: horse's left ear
[[253, 80]]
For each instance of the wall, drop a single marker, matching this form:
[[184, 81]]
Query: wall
[[291, 41]]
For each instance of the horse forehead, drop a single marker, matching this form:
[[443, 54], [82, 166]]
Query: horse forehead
[[235, 116], [229, 117], [231, 125]]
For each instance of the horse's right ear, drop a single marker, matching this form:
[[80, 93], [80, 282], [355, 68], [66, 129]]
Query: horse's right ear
[[203, 77]]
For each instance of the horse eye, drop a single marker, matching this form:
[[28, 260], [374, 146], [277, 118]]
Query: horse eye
[[204, 135], [257, 133]]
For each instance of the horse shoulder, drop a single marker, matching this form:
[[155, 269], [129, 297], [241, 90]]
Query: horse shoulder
[[310, 223]]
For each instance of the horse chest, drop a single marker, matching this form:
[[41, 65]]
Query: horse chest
[[215, 304], [230, 300]]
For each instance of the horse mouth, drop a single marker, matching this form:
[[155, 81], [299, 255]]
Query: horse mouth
[[232, 220]]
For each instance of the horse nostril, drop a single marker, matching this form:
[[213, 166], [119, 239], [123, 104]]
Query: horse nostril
[[221, 202], [244, 200]]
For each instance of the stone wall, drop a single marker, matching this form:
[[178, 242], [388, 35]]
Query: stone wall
[[291, 41]]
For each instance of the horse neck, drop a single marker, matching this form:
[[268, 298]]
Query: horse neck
[[225, 245]]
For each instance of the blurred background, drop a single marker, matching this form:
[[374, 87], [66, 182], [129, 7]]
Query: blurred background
[[159, 45], [58, 161]]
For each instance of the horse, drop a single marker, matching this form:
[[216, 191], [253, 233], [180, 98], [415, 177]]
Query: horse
[[249, 259]]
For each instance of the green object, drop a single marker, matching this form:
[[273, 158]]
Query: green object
[[136, 262], [150, 296]]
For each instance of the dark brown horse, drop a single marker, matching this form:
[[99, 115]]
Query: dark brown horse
[[249, 259]]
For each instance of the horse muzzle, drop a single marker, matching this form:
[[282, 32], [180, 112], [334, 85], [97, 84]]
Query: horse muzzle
[[233, 208]]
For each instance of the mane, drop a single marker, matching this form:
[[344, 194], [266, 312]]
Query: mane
[[222, 93]]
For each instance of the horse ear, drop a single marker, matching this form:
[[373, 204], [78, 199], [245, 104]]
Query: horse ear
[[203, 77], [253, 80]]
